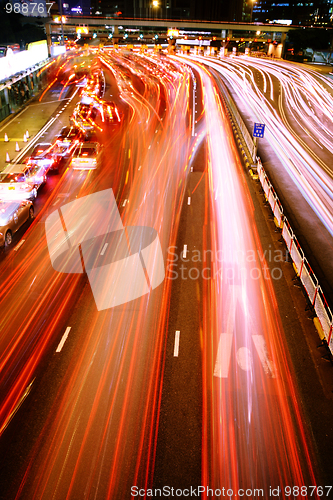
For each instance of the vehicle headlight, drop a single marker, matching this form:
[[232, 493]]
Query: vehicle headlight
[[25, 187]]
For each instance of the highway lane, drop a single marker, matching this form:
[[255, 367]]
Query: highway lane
[[293, 103], [57, 191], [179, 444], [99, 435], [314, 181]]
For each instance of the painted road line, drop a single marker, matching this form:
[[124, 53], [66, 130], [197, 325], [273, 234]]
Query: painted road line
[[244, 359], [189, 200], [25, 109], [17, 407], [104, 248], [261, 348], [176, 346], [222, 363], [39, 134], [49, 102], [33, 142], [194, 102], [19, 245], [14, 118], [33, 281], [11, 139], [184, 251], [60, 195], [64, 338]]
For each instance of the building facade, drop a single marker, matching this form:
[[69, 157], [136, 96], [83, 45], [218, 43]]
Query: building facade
[[299, 12]]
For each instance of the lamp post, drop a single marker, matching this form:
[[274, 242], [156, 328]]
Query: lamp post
[[62, 23], [155, 7]]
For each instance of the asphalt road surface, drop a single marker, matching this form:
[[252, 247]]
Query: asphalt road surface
[[210, 378]]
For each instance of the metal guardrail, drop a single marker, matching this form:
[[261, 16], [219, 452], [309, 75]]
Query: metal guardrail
[[240, 122], [300, 262]]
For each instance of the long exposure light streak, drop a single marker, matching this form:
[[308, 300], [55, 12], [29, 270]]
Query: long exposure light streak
[[310, 173], [253, 434], [99, 437]]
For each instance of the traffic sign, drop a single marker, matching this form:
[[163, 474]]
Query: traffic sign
[[259, 129]]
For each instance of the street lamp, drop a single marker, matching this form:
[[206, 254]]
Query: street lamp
[[155, 6], [62, 18]]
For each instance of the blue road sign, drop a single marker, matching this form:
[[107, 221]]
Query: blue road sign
[[259, 129]]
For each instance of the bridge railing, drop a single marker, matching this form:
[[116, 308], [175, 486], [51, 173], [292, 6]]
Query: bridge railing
[[301, 264]]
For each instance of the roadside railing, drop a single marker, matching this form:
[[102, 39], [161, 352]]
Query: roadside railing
[[301, 265], [240, 122]]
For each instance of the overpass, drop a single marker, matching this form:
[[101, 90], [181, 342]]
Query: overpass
[[117, 28]]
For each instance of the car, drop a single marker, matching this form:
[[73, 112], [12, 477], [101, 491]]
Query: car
[[68, 136], [65, 143], [36, 174], [86, 156], [43, 155], [61, 153], [3, 51], [16, 183], [13, 214], [84, 116], [15, 47], [111, 112]]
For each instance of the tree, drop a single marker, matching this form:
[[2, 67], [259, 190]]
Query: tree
[[309, 38], [16, 28]]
